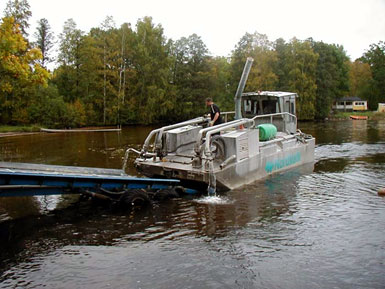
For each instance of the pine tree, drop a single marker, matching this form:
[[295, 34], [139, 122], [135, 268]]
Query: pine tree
[[44, 40]]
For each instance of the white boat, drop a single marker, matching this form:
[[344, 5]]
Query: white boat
[[262, 140]]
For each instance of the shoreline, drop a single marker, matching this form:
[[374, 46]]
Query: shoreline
[[9, 130], [16, 133], [345, 115]]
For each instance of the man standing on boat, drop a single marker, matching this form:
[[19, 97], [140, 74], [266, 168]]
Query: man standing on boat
[[215, 112]]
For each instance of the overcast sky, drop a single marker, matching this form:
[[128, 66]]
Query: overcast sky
[[355, 24]]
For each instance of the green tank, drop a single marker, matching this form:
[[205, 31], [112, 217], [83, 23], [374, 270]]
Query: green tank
[[267, 131]]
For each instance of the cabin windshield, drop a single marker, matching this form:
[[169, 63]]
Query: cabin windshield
[[258, 106]]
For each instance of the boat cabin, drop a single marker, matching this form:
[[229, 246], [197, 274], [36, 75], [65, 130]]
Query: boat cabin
[[267, 102]]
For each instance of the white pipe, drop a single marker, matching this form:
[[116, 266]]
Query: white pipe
[[204, 130], [209, 133], [165, 128]]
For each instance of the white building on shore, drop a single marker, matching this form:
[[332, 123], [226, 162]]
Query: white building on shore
[[350, 103]]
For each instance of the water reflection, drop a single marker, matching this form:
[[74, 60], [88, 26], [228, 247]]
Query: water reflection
[[298, 229]]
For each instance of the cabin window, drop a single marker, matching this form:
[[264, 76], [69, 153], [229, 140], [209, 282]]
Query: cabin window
[[269, 106], [287, 106], [251, 107], [359, 103], [292, 109], [247, 105]]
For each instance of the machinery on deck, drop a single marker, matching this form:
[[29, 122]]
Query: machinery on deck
[[261, 140]]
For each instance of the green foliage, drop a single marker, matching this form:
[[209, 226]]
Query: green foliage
[[297, 66], [44, 40], [332, 77], [220, 78], [19, 128], [191, 76], [126, 75], [262, 76], [152, 65], [373, 115], [68, 76], [375, 57], [19, 71], [20, 11], [361, 82]]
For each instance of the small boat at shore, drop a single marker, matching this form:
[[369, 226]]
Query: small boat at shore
[[359, 117], [80, 130]]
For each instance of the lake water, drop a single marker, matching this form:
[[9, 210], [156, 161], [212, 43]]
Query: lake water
[[299, 229]]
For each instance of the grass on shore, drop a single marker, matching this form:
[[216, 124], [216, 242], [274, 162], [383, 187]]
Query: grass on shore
[[18, 128], [370, 114]]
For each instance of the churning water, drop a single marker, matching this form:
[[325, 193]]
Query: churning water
[[305, 228]]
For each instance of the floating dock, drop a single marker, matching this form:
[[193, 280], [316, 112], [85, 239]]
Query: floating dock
[[49, 130], [22, 179]]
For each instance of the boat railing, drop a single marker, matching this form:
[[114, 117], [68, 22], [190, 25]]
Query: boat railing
[[210, 131], [159, 132], [203, 132], [226, 115], [284, 121]]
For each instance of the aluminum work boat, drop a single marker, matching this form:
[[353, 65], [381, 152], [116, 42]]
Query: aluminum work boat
[[261, 140]]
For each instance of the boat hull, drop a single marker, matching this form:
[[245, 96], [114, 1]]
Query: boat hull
[[271, 158]]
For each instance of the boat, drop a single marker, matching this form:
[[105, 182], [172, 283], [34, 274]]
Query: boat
[[263, 139], [49, 130], [359, 117]]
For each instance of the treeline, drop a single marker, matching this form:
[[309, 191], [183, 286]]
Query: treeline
[[126, 75]]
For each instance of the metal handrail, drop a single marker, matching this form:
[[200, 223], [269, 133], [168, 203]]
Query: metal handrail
[[272, 115], [226, 113], [204, 130], [216, 129], [160, 131]]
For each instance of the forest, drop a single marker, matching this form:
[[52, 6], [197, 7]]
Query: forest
[[134, 74]]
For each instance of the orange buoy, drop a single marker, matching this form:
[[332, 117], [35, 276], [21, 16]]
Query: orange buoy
[[381, 192]]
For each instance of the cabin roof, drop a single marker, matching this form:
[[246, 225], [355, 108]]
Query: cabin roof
[[277, 94], [349, 98]]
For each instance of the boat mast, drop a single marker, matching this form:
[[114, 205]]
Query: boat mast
[[241, 87]]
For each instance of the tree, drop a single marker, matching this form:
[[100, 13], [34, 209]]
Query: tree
[[152, 94], [281, 69], [67, 77], [108, 27], [44, 40], [301, 68], [191, 76], [332, 76], [375, 57], [220, 78], [20, 11], [361, 80], [262, 76], [126, 71], [19, 68]]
